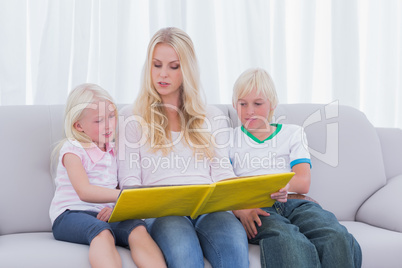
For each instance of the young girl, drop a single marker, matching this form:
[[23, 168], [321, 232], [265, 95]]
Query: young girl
[[297, 233], [173, 145], [86, 184]]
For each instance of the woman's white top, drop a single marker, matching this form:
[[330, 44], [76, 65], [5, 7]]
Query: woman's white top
[[139, 165]]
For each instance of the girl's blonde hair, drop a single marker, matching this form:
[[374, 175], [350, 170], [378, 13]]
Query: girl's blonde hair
[[255, 79], [192, 107], [79, 99]]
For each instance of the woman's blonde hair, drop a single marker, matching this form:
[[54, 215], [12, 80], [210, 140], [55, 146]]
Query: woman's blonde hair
[[192, 107], [255, 79]]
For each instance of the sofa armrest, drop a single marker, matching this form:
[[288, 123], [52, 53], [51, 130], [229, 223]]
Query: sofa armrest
[[382, 209], [391, 147]]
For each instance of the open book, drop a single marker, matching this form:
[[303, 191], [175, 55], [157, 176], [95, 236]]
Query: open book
[[194, 200]]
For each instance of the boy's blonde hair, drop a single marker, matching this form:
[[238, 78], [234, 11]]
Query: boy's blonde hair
[[192, 107], [255, 79]]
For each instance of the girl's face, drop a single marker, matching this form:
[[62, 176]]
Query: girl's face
[[253, 111], [166, 72], [98, 122]]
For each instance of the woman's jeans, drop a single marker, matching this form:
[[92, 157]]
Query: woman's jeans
[[300, 233], [218, 236]]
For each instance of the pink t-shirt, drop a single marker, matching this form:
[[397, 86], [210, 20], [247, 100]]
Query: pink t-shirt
[[101, 169]]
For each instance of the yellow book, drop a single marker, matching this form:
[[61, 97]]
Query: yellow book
[[193, 200]]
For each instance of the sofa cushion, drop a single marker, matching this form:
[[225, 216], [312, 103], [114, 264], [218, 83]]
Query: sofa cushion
[[41, 250], [381, 209], [380, 247]]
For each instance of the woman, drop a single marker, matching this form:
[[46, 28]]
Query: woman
[[170, 140]]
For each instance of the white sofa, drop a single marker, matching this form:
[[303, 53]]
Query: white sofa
[[357, 174]]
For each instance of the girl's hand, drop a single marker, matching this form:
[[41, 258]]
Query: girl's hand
[[104, 214], [282, 194], [250, 217]]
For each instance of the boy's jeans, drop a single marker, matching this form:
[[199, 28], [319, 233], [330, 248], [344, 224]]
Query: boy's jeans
[[300, 233]]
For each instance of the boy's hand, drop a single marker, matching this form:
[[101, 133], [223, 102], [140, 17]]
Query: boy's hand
[[104, 214], [282, 194], [249, 218]]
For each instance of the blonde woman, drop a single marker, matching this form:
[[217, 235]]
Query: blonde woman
[[168, 137]]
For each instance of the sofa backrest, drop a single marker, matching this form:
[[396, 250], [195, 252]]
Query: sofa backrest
[[26, 187], [347, 163], [346, 158]]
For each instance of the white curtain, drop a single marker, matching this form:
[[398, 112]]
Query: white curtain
[[317, 51]]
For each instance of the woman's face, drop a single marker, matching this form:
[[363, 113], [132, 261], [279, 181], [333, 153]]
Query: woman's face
[[166, 72]]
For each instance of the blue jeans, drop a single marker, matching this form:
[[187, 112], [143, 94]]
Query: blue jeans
[[184, 241], [300, 233], [81, 227]]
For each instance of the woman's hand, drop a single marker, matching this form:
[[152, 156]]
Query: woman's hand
[[104, 214], [249, 218]]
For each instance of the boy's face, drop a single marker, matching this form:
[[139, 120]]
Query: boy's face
[[253, 111]]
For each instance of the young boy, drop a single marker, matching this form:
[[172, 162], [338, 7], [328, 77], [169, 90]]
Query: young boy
[[294, 232]]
